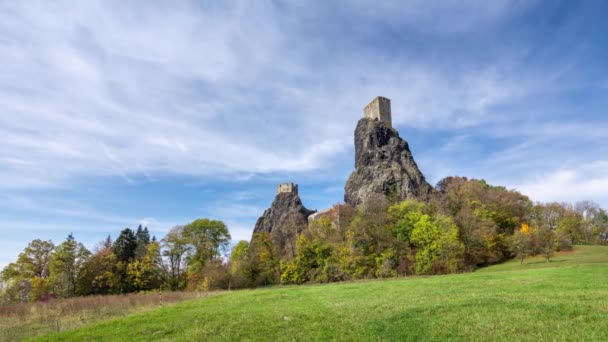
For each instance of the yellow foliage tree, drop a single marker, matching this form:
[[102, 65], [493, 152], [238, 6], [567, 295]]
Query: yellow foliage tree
[[525, 228]]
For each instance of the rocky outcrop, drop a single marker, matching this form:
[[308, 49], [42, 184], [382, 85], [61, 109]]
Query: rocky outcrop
[[383, 165], [284, 220]]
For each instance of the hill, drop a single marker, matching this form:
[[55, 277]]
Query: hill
[[562, 300]]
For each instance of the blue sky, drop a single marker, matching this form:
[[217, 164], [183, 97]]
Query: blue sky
[[117, 113]]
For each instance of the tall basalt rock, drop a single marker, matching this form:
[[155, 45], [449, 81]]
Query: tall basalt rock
[[383, 165], [285, 219]]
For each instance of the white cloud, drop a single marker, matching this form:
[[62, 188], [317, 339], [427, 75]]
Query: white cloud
[[585, 182], [115, 89]]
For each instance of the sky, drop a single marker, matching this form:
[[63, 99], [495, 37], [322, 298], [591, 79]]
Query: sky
[[120, 113]]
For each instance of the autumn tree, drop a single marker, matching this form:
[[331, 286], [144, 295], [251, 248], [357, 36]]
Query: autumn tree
[[144, 272], [100, 273], [316, 258], [522, 242], [485, 215]]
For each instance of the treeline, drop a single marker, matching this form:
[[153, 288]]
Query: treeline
[[184, 259], [465, 225]]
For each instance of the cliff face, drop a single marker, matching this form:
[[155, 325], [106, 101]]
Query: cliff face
[[284, 220], [383, 165]]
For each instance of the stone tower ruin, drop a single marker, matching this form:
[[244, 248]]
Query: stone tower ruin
[[379, 109], [287, 187]]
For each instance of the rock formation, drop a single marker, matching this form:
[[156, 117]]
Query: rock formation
[[383, 164], [286, 217]]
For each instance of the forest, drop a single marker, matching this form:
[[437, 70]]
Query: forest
[[465, 225]]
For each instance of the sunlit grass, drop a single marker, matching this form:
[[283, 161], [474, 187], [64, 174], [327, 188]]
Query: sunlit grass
[[580, 255]]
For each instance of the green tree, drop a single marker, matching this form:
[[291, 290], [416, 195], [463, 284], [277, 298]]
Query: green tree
[[209, 240], [175, 249], [264, 260], [438, 249], [405, 215], [29, 274], [142, 237], [239, 265], [66, 265], [34, 261]]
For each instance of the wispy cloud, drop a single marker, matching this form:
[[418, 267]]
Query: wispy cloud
[[204, 89], [256, 93]]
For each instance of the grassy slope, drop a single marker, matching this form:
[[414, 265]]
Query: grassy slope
[[22, 320], [536, 301]]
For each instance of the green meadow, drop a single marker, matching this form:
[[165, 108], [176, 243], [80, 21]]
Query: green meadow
[[565, 299]]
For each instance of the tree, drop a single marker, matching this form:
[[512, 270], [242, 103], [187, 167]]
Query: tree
[[35, 259], [144, 274], [125, 245], [100, 273], [142, 236], [604, 223], [28, 276], [438, 249], [239, 265], [592, 223], [485, 215], [216, 275], [264, 261], [66, 265], [405, 215], [315, 259], [522, 242], [549, 233], [175, 248], [209, 240]]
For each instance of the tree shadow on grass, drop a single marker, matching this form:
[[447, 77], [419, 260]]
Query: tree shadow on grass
[[544, 262]]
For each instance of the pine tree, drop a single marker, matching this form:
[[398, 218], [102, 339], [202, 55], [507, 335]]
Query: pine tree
[[125, 245], [143, 240]]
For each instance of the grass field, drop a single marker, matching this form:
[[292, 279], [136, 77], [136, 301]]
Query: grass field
[[23, 320], [562, 300]]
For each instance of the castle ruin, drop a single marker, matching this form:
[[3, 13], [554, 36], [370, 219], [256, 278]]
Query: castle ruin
[[287, 188], [379, 109]]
